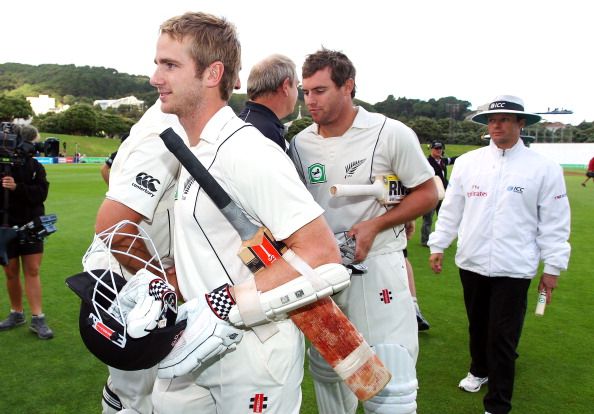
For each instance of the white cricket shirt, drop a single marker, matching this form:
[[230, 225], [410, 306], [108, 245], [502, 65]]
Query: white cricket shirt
[[259, 177], [143, 175], [373, 145]]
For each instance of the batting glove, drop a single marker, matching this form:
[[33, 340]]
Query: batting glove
[[347, 250], [205, 337], [148, 302]]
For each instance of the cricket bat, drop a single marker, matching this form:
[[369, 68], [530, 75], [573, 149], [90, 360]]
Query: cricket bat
[[541, 303], [387, 189], [327, 328]]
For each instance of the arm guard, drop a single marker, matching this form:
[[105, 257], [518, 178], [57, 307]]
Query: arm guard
[[273, 305]]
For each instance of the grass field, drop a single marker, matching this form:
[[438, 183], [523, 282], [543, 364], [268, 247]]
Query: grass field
[[89, 146], [554, 372]]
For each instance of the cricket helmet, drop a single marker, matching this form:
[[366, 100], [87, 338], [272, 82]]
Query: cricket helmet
[[102, 316]]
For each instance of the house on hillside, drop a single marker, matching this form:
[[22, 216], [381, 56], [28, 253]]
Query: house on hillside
[[42, 104], [115, 103], [554, 126]]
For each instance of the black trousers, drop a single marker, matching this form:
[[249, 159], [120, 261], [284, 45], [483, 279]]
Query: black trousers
[[496, 307]]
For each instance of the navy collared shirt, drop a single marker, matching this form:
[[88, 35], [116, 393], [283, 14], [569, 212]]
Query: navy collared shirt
[[265, 121]]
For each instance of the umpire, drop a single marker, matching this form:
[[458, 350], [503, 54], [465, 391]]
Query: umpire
[[508, 207]]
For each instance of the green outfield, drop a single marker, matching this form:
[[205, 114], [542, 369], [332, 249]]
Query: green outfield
[[554, 372]]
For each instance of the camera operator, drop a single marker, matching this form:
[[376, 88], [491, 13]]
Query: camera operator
[[24, 190]]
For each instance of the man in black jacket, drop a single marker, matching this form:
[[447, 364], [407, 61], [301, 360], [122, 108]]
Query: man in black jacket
[[439, 164]]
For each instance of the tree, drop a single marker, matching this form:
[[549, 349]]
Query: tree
[[237, 102], [110, 125], [297, 126], [80, 120], [50, 122], [427, 129], [12, 107], [127, 111]]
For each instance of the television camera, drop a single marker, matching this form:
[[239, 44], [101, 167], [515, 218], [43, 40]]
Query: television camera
[[14, 149]]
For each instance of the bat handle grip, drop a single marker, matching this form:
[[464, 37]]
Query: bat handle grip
[[217, 194]]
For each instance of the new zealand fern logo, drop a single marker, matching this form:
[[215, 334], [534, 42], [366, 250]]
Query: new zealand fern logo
[[351, 167]]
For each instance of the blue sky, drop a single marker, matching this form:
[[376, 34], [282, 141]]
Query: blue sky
[[470, 49]]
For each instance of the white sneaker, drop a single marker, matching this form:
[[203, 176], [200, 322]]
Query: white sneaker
[[472, 383]]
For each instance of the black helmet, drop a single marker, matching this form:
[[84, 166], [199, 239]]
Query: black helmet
[[102, 323], [103, 331]]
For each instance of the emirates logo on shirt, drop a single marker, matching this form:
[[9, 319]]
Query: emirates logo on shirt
[[476, 192]]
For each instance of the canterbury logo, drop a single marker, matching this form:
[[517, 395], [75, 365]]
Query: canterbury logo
[[146, 183], [350, 168]]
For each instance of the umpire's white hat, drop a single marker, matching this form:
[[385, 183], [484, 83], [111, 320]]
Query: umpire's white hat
[[506, 104]]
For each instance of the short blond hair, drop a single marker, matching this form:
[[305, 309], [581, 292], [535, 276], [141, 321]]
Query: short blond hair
[[213, 39]]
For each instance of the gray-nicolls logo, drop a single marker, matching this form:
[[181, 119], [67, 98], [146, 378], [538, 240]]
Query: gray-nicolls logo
[[146, 183], [351, 167]]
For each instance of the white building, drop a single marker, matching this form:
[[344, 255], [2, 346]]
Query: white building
[[42, 104], [115, 103]]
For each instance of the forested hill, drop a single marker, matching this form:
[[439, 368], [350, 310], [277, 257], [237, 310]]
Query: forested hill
[[78, 86], [79, 83]]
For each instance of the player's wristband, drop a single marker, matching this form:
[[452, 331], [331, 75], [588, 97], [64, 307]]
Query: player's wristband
[[220, 301]]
